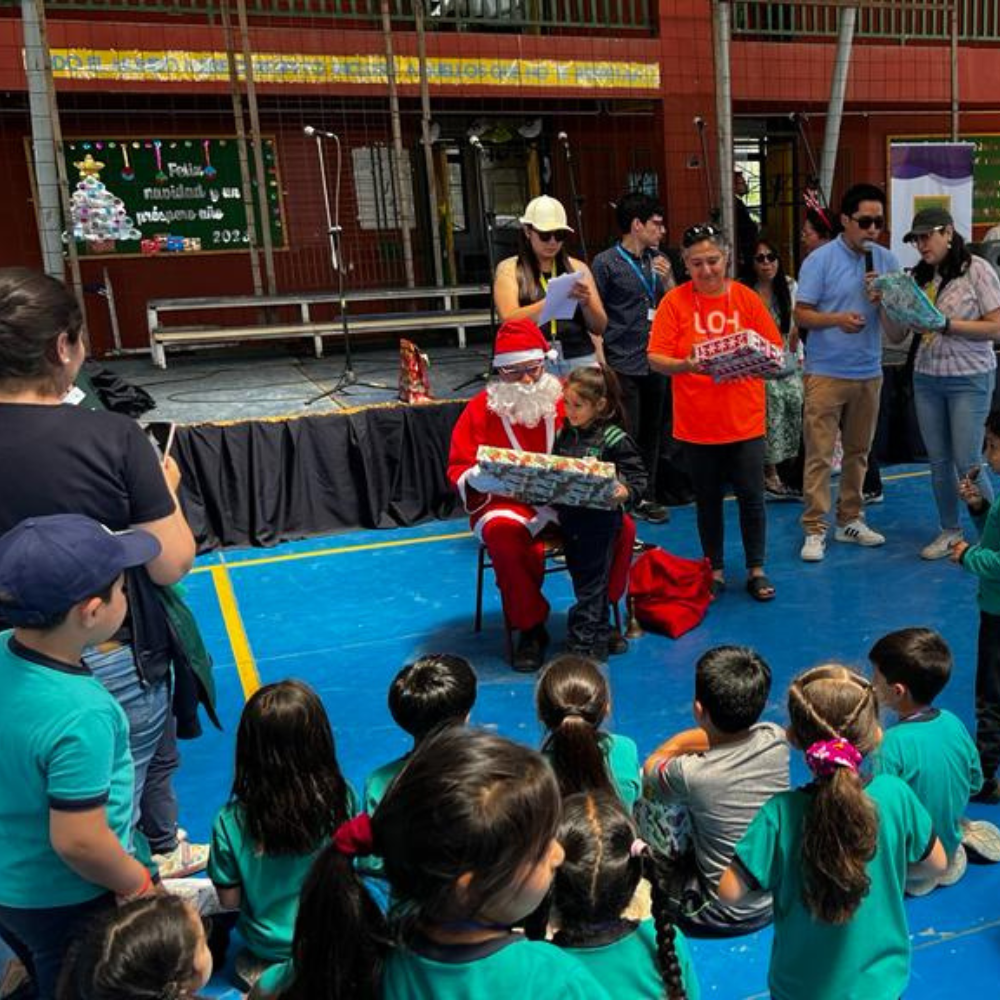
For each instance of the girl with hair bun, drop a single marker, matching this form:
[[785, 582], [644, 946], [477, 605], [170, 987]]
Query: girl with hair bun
[[573, 701], [836, 854], [591, 894]]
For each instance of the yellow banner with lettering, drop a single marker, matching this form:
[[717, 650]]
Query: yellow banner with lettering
[[173, 66]]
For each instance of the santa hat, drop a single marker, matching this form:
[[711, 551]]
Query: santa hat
[[518, 342]]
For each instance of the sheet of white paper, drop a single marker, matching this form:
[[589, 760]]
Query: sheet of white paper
[[558, 304]]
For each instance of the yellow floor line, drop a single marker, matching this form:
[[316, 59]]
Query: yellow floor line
[[335, 551], [373, 546], [245, 664]]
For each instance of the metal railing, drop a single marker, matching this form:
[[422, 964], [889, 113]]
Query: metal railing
[[878, 20], [606, 16]]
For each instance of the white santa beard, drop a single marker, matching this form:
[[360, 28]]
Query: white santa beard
[[525, 405]]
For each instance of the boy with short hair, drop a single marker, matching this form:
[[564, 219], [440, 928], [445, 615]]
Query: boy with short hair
[[66, 781], [929, 748], [720, 774], [433, 691]]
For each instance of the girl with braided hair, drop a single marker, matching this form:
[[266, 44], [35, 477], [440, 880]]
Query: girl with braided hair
[[573, 701], [836, 854], [591, 894], [153, 948]]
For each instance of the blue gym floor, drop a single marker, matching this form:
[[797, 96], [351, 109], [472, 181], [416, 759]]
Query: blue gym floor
[[344, 613]]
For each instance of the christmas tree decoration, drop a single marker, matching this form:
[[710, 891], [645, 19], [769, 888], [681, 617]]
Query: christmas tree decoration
[[98, 216]]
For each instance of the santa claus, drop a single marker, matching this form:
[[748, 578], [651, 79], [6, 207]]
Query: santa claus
[[521, 408]]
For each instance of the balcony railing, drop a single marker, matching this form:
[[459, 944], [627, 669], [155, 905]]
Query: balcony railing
[[880, 20], [607, 16]]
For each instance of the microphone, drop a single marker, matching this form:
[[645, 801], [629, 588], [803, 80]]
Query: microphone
[[476, 143], [563, 137], [310, 131], [699, 122], [869, 258]]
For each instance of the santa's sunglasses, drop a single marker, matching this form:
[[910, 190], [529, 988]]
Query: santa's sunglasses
[[514, 373]]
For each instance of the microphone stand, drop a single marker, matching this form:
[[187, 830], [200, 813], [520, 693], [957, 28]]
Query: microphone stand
[[488, 220], [577, 200], [334, 233], [699, 124]]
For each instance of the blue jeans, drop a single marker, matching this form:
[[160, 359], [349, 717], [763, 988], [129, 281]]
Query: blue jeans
[[951, 411], [146, 707], [158, 806], [40, 937]]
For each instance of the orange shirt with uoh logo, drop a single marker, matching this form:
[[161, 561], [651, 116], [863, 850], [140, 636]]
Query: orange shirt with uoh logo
[[705, 411]]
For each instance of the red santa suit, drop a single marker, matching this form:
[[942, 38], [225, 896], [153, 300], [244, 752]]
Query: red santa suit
[[508, 528]]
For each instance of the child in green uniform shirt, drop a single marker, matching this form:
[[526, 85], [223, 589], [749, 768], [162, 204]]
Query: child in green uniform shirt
[[983, 561], [467, 833], [573, 702], [66, 776], [592, 891], [431, 692], [836, 854], [929, 748], [288, 797]]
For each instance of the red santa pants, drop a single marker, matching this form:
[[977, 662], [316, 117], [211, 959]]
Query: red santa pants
[[518, 564]]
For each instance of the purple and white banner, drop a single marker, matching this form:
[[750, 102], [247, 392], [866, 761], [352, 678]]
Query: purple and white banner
[[925, 175]]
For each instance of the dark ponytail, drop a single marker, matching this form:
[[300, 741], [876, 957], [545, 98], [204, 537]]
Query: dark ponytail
[[572, 701], [341, 937], [656, 870], [840, 829]]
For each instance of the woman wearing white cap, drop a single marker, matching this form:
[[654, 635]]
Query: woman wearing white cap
[[955, 366], [521, 283]]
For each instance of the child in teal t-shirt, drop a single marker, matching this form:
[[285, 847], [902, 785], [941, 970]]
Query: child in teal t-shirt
[[467, 832], [66, 781], [573, 702], [983, 561], [592, 892], [431, 692], [836, 854], [929, 748], [288, 797]]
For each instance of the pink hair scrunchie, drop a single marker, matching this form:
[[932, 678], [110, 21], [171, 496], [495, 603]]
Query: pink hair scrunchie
[[825, 756], [354, 838]]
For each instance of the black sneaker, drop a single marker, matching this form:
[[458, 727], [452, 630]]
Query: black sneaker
[[654, 513], [617, 643], [530, 653], [639, 546], [873, 497]]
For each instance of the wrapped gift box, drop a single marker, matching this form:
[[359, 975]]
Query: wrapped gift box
[[906, 302], [539, 479], [737, 355]]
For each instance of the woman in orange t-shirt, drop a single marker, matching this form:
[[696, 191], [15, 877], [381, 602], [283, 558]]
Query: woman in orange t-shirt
[[722, 425]]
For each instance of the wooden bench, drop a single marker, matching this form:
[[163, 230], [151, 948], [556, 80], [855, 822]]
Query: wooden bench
[[446, 316]]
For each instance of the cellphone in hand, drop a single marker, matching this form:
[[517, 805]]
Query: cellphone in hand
[[161, 437], [973, 474]]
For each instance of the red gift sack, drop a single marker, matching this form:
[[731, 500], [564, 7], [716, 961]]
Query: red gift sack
[[669, 594]]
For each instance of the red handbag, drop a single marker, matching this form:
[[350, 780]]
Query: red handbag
[[669, 594]]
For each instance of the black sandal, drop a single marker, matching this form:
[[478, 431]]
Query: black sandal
[[760, 588]]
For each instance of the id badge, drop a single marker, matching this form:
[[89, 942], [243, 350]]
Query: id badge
[[650, 314]]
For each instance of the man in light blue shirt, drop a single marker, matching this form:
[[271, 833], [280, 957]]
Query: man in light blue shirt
[[843, 370]]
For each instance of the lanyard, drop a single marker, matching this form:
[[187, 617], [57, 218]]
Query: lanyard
[[648, 283], [544, 282]]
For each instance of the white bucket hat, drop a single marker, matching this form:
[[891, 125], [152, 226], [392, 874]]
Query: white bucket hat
[[545, 214]]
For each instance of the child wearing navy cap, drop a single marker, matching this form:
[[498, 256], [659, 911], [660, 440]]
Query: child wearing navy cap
[[66, 780]]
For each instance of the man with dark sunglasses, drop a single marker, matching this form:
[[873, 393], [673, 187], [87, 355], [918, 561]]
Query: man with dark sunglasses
[[839, 306], [632, 277]]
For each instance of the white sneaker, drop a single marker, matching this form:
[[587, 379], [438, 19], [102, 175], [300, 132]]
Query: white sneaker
[[956, 868], [981, 839], [813, 548], [859, 533], [942, 545]]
